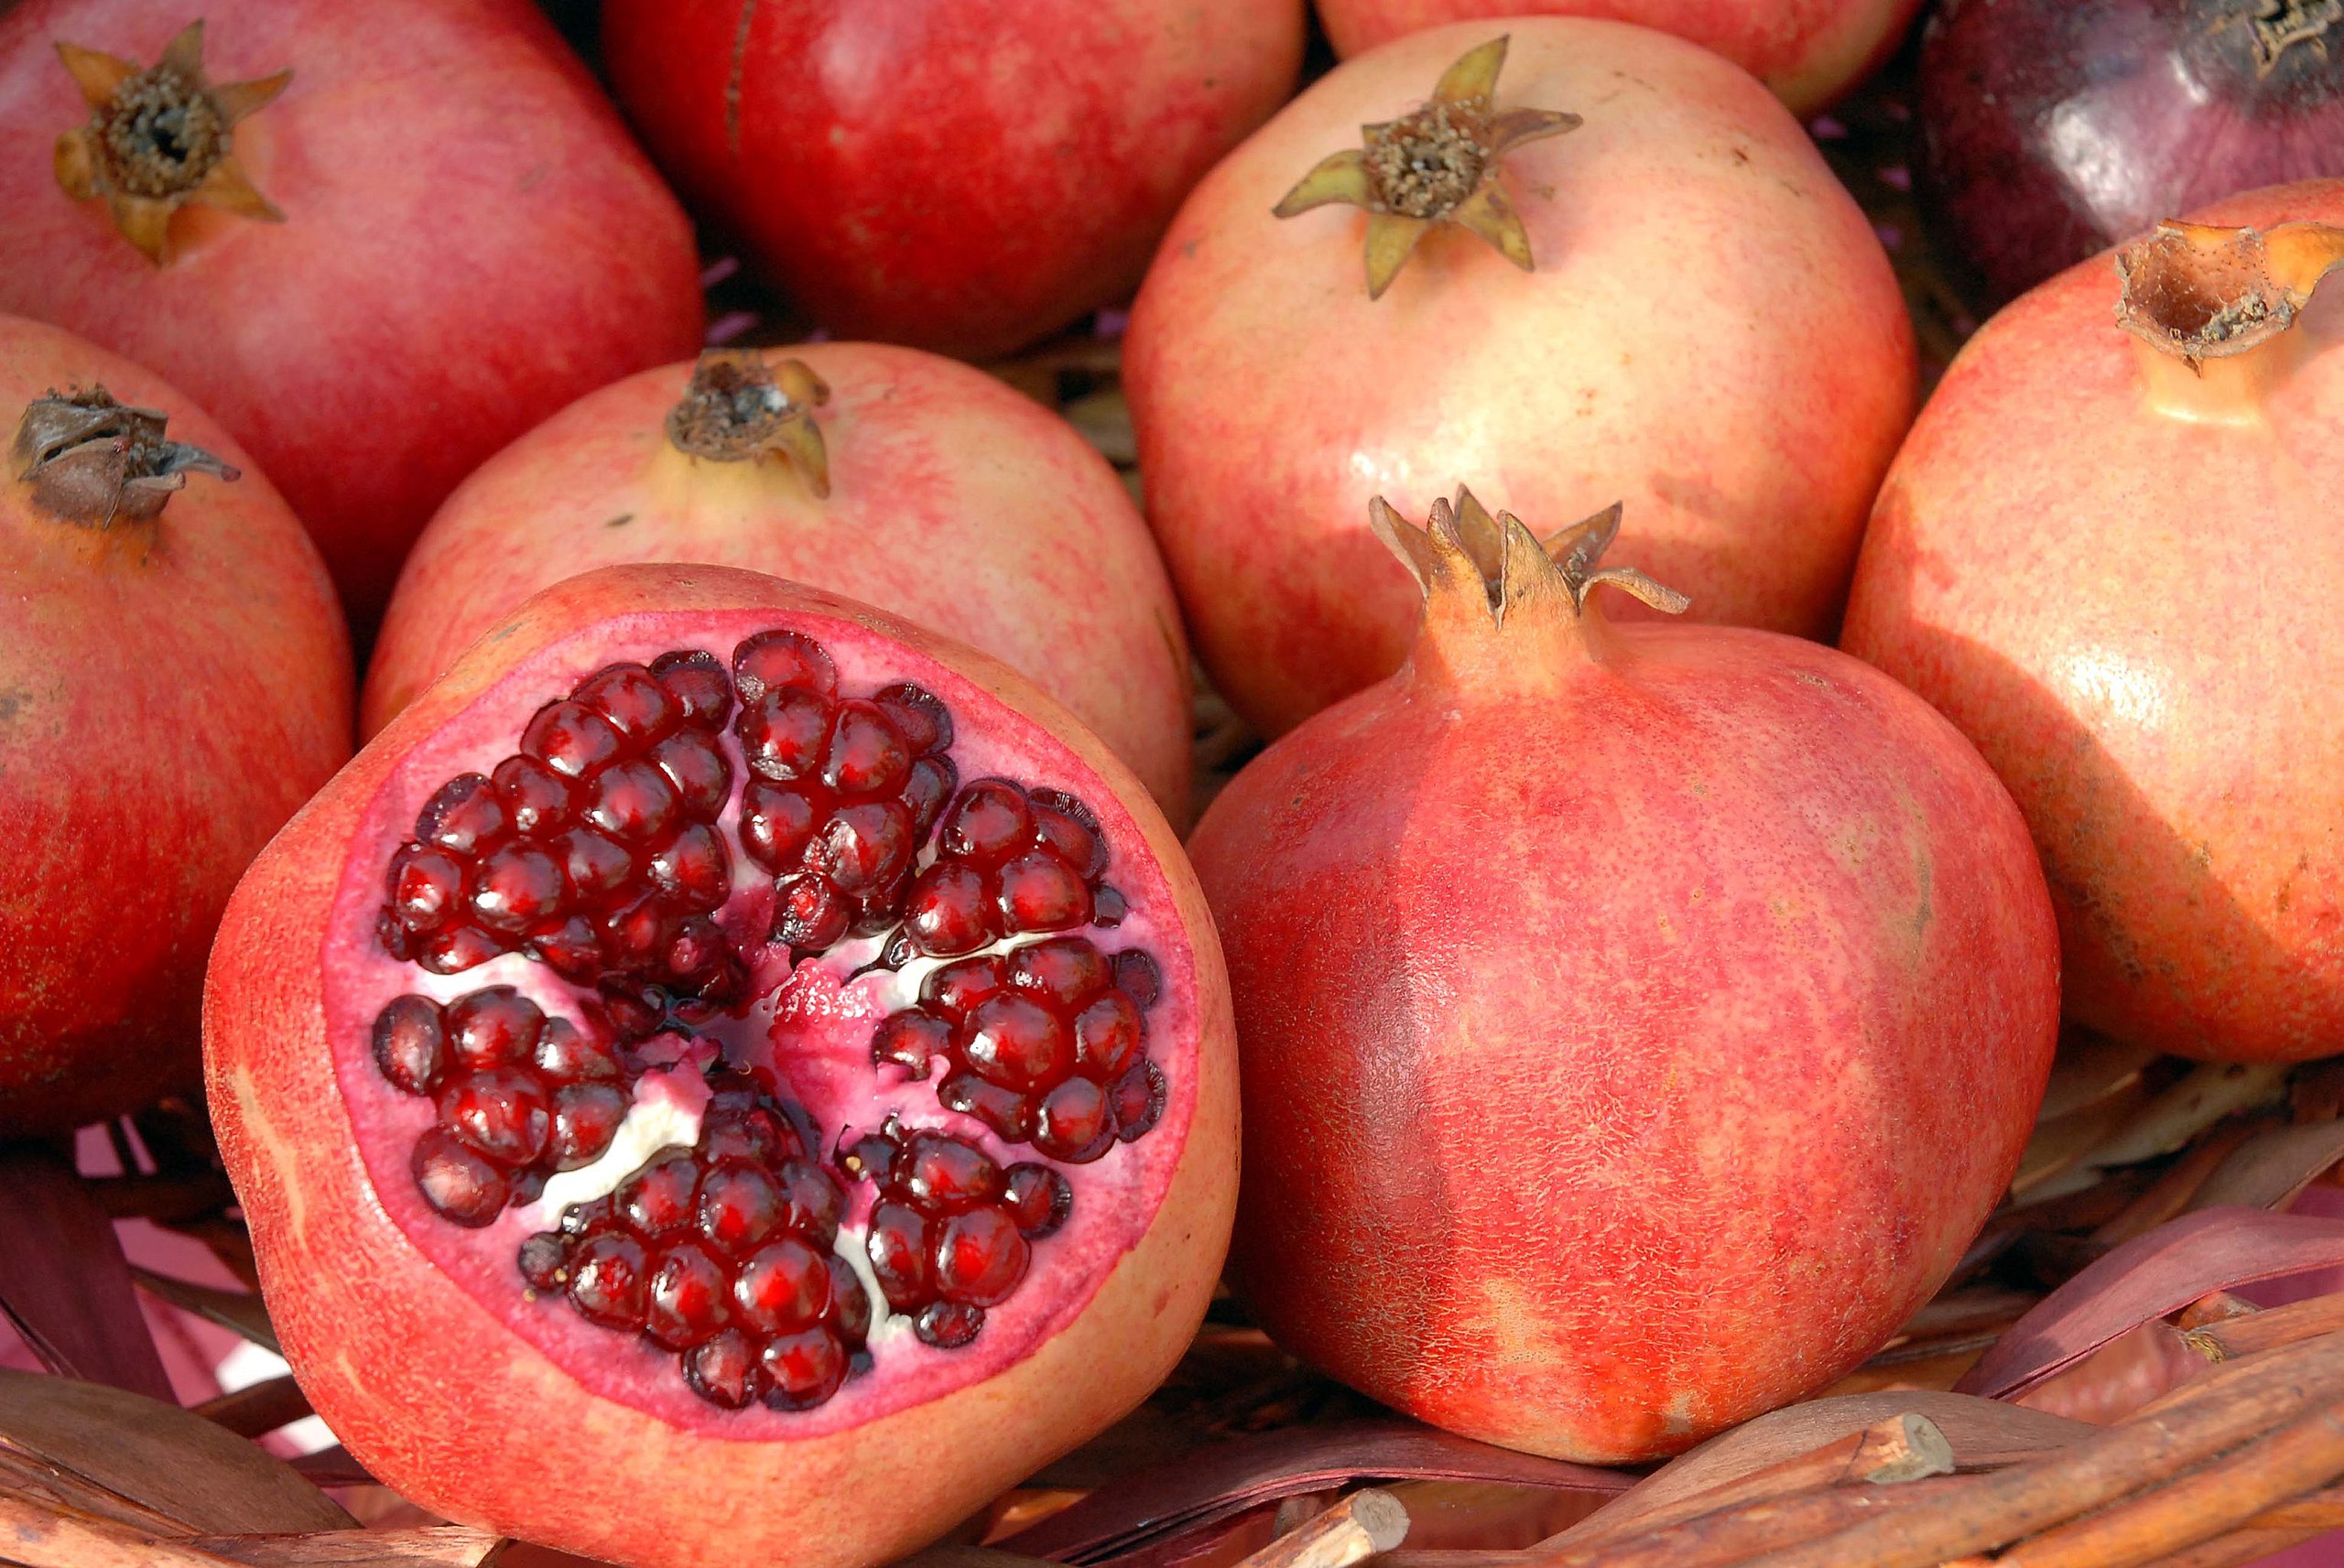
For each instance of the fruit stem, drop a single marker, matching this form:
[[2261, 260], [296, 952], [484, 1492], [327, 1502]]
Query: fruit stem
[[1503, 612], [92, 460], [737, 408], [2212, 309]]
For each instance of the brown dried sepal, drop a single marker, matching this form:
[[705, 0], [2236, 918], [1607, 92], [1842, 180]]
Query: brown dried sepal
[[1437, 165], [159, 139], [2200, 292], [1464, 552], [89, 460], [737, 408]]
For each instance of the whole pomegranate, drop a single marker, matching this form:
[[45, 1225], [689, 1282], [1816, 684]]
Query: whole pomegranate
[[895, 477], [2105, 553], [720, 1034], [378, 241], [1808, 51], [1674, 301], [965, 178], [1636, 1021], [174, 682]]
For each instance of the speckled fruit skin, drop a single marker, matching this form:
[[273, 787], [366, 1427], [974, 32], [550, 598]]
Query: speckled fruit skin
[[442, 1400], [2125, 612], [1712, 335], [1634, 1031], [470, 241], [955, 502], [1810, 52], [170, 692], [964, 178]]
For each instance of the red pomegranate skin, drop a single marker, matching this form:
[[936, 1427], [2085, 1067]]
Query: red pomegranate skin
[[471, 241], [1810, 52], [963, 178], [1635, 1021], [2121, 606], [545, 1428], [955, 502], [170, 693], [1693, 253]]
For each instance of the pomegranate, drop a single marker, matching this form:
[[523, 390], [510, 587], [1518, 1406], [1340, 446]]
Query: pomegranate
[[1682, 248], [965, 178], [2100, 556], [378, 241], [1810, 52], [892, 476], [174, 682], [1636, 1021], [720, 1031]]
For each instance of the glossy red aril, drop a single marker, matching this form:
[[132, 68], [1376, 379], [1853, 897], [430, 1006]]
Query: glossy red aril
[[174, 682], [2103, 555], [707, 1154], [1588, 264], [1663, 1094], [378, 241], [1809, 52], [965, 178], [892, 476]]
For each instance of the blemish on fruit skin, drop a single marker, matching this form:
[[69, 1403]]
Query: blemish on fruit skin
[[621, 521], [281, 1154]]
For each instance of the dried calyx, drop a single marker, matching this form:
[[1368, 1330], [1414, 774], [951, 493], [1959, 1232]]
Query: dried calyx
[[2278, 25], [738, 409], [2198, 292], [159, 139], [91, 460], [1437, 165]]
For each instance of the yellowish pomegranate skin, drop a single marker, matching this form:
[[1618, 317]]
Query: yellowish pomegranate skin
[[436, 1397], [1711, 334], [2130, 612]]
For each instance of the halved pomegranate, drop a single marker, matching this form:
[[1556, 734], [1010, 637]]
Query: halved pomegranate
[[718, 1029]]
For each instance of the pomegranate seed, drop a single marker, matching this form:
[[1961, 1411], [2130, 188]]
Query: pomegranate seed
[[924, 722], [632, 699], [596, 868], [1138, 1098], [697, 949], [951, 989], [685, 1305], [783, 733], [1066, 826], [781, 1286], [1038, 891], [588, 1218], [410, 1048], [538, 801], [1107, 1035], [803, 1369], [750, 1135], [633, 802], [776, 821], [1005, 1110], [586, 1117], [1038, 1199], [636, 934], [862, 846], [566, 1055], [724, 1371], [609, 1280], [1073, 1122], [545, 1261], [456, 950], [897, 1247], [867, 755], [773, 659], [926, 788], [807, 912], [568, 946], [657, 1201], [696, 765], [1137, 978], [987, 824], [492, 1027], [518, 887], [425, 885], [396, 940], [851, 1307], [948, 910], [464, 817], [458, 1183], [940, 1174], [811, 1202], [979, 1257], [948, 1326], [692, 868], [870, 1158], [1107, 906], [879, 909], [572, 739], [739, 1205], [500, 1111], [1064, 971], [910, 1039], [696, 683], [1013, 1041]]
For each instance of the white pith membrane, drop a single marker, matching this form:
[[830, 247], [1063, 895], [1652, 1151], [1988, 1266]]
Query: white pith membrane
[[811, 1027]]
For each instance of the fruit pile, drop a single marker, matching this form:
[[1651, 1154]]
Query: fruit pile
[[739, 986]]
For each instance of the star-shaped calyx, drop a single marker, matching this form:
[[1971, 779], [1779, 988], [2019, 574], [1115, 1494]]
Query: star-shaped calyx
[[159, 139], [1439, 164], [91, 460], [2202, 292], [737, 408], [1489, 570]]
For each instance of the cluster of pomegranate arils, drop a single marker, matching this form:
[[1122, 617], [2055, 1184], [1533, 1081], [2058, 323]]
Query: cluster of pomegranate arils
[[599, 850]]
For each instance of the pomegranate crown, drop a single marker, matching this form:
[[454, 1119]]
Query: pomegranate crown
[[738, 409], [1437, 165], [1464, 551], [2201, 292], [91, 460]]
